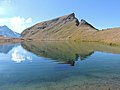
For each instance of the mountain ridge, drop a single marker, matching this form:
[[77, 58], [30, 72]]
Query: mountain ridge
[[52, 23], [6, 32], [55, 29], [68, 27]]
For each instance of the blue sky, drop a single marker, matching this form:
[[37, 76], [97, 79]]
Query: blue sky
[[20, 14]]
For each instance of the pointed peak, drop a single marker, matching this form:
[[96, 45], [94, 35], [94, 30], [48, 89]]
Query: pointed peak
[[70, 15], [83, 21], [4, 26]]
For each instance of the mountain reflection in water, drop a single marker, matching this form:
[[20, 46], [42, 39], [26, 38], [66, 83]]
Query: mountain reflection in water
[[61, 52], [67, 52], [40, 65]]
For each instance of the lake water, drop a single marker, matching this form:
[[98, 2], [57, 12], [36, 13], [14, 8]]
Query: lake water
[[59, 66]]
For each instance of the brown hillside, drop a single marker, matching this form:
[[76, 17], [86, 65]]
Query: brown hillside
[[69, 28], [55, 29]]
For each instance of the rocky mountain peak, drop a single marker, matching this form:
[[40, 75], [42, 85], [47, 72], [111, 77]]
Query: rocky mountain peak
[[72, 15], [85, 23]]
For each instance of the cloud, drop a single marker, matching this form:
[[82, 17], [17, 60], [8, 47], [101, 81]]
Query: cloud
[[29, 20], [4, 20], [19, 21], [17, 24]]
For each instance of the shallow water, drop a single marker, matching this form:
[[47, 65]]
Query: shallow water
[[59, 66]]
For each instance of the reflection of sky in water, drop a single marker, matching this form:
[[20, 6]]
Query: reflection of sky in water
[[43, 71], [17, 54], [20, 55]]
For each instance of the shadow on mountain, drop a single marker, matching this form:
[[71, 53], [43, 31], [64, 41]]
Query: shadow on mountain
[[6, 48], [67, 52]]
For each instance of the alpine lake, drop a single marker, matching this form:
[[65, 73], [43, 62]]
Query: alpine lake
[[59, 65]]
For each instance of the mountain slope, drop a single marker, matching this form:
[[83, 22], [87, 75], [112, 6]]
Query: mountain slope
[[6, 32], [60, 28], [55, 29], [69, 28]]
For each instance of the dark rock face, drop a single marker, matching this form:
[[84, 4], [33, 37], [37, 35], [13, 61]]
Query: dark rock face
[[84, 23]]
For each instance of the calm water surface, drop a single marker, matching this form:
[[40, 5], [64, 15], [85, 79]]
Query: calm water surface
[[59, 66]]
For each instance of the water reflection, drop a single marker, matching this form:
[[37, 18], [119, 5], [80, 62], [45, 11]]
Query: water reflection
[[61, 52], [18, 56], [96, 66], [14, 52], [5, 48], [67, 52]]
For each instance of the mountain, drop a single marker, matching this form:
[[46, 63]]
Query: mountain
[[6, 32], [68, 27], [55, 29], [61, 28]]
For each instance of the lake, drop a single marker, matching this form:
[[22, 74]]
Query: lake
[[59, 65]]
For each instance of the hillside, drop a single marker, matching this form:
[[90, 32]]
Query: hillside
[[56, 29], [69, 28]]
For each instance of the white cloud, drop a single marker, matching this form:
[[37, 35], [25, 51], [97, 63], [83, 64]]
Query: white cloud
[[29, 20], [17, 24], [19, 21], [4, 20]]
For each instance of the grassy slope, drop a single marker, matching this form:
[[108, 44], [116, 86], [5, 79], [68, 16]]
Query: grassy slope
[[109, 36], [58, 30], [57, 33]]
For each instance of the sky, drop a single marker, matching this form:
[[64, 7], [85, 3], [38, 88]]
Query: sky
[[21, 14]]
